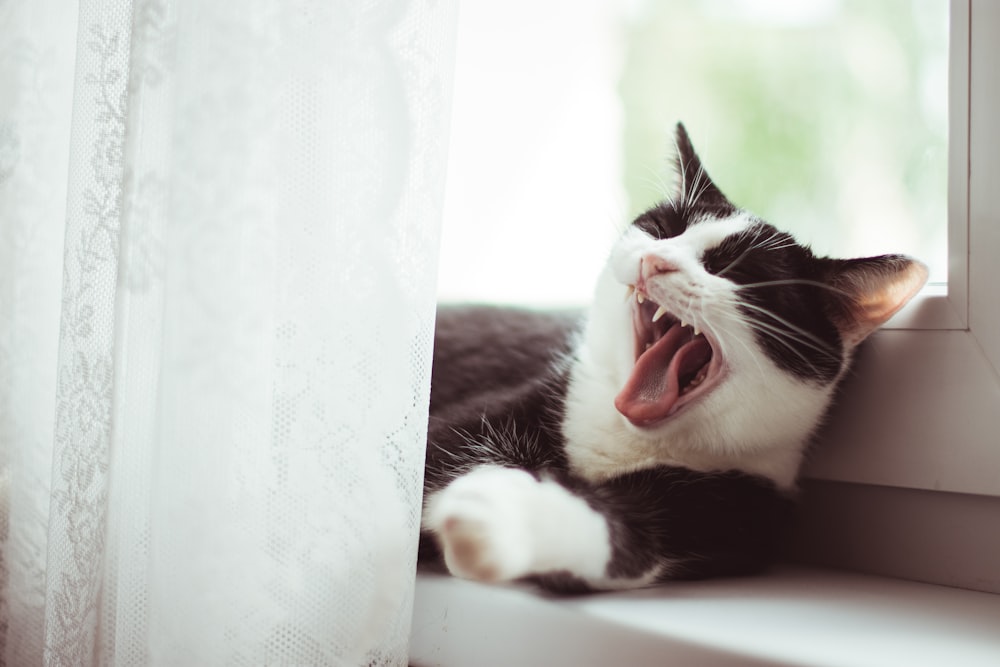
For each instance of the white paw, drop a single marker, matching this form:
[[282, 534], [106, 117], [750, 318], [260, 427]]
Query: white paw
[[483, 522]]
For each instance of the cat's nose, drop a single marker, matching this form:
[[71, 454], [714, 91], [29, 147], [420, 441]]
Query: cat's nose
[[651, 265]]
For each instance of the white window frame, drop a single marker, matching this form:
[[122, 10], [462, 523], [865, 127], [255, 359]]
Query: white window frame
[[922, 410], [945, 306]]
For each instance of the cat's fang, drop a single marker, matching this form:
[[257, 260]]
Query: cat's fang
[[697, 331], [629, 292], [660, 312], [639, 297]]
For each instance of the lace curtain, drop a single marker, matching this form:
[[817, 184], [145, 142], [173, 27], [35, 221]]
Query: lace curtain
[[218, 239]]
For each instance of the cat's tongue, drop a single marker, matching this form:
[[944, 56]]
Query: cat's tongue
[[653, 388]]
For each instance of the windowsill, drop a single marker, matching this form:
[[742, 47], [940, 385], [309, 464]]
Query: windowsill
[[793, 616], [934, 308]]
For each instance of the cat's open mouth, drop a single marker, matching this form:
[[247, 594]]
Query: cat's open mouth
[[675, 364]]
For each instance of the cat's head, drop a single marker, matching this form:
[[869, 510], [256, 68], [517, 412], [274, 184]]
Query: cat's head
[[721, 336]]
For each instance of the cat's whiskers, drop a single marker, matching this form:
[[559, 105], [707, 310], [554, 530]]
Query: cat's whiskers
[[734, 263], [723, 335], [682, 173], [788, 244], [753, 246], [794, 281], [790, 330], [790, 341], [655, 179], [769, 243], [688, 194], [781, 331], [700, 186], [775, 241], [780, 336]]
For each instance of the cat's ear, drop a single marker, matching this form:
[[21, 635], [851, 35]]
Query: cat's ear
[[867, 292], [694, 186]]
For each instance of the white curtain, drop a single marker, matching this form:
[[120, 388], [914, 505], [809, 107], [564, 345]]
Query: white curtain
[[218, 243]]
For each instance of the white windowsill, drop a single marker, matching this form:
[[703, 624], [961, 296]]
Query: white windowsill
[[933, 308], [793, 616]]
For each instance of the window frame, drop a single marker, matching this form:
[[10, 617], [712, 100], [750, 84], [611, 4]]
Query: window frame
[[921, 409], [945, 306]]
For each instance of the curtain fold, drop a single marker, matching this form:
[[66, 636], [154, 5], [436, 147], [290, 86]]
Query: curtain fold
[[218, 238]]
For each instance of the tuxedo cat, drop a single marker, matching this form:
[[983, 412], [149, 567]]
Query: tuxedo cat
[[658, 436]]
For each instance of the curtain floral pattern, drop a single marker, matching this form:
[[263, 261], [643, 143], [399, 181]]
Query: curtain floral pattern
[[218, 237]]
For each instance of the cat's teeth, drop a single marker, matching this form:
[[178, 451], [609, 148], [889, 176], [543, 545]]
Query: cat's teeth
[[697, 331], [629, 292], [640, 297], [660, 312], [696, 382], [683, 323]]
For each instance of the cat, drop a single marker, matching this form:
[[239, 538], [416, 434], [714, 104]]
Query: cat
[[658, 435]]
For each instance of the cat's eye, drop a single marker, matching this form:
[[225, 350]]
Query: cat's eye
[[749, 255], [661, 222], [722, 259], [731, 258]]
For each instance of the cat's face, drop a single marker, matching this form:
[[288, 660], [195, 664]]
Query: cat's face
[[720, 337]]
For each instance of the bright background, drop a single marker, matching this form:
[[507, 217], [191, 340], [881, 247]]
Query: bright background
[[827, 118]]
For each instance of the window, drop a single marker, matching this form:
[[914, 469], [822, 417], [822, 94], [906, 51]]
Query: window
[[828, 118], [535, 158], [535, 185], [922, 412]]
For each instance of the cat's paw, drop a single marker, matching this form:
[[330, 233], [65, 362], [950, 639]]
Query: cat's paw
[[482, 520]]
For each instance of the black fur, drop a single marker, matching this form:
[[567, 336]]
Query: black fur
[[500, 379], [751, 258], [498, 384], [497, 392], [785, 296]]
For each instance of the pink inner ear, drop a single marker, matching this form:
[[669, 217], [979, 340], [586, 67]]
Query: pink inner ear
[[878, 300]]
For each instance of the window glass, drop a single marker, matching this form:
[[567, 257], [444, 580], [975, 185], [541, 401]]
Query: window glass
[[827, 117]]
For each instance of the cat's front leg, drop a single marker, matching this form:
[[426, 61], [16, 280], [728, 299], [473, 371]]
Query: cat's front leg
[[500, 524]]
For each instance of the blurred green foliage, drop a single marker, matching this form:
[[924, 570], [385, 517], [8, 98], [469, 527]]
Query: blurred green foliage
[[831, 126]]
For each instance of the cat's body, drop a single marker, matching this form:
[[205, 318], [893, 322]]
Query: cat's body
[[659, 435]]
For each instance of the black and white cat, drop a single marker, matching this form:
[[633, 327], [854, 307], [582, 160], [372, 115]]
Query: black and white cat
[[659, 437]]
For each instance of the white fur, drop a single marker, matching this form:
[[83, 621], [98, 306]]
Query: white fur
[[499, 524], [735, 426]]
